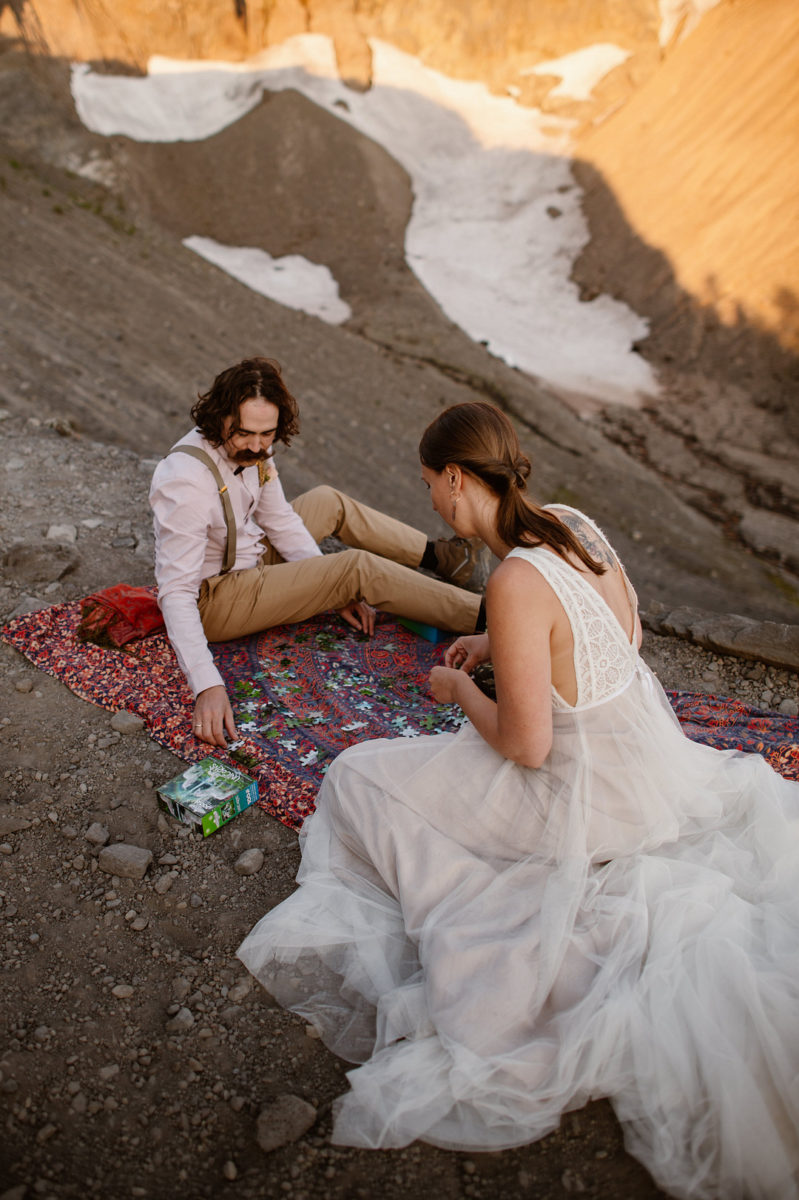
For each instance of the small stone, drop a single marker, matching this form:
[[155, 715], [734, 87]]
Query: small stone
[[108, 1073], [41, 1033], [80, 1104], [249, 863], [6, 848], [129, 862], [139, 924], [69, 832], [237, 1103], [45, 1133], [164, 883], [182, 1020], [168, 860], [122, 991], [126, 722], [195, 901], [789, 707], [79, 862], [312, 1032], [230, 1171], [97, 834], [231, 1014], [283, 1121], [572, 1181], [24, 685], [240, 990], [180, 988], [64, 534]]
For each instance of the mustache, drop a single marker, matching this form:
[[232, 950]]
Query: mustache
[[247, 456]]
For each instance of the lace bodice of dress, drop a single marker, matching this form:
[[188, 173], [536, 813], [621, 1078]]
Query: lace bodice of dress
[[604, 657]]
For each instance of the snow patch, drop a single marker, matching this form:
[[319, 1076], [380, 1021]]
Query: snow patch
[[581, 71], [291, 280], [496, 222]]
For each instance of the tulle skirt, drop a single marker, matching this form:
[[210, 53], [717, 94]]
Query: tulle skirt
[[497, 945]]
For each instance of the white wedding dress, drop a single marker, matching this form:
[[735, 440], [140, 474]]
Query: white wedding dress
[[499, 944]]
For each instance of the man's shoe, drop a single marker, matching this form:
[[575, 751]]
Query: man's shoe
[[466, 562]]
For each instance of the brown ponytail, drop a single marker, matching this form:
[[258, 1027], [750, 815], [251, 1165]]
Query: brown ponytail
[[479, 438]]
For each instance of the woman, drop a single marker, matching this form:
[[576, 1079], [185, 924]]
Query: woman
[[565, 900]]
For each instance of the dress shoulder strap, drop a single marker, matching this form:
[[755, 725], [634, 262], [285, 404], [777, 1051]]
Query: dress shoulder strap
[[227, 507], [603, 657]]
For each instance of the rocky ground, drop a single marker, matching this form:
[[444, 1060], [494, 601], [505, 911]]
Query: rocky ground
[[138, 1058]]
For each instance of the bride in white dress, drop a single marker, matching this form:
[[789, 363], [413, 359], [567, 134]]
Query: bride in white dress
[[565, 900]]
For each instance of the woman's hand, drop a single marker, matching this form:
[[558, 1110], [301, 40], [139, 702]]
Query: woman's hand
[[468, 652], [359, 615], [212, 716], [446, 684]]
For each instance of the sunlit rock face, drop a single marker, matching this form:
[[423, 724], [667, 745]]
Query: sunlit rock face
[[688, 144], [695, 184], [468, 39]]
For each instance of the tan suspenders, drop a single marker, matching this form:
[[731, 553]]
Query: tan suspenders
[[230, 520]]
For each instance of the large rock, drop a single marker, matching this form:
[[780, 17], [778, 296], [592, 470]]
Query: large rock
[[250, 862], [129, 862], [39, 562], [126, 722], [766, 641], [283, 1121]]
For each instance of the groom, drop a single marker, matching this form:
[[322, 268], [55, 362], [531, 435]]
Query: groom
[[232, 556]]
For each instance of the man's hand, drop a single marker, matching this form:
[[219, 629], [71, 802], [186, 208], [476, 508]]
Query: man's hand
[[359, 615], [468, 652], [212, 716]]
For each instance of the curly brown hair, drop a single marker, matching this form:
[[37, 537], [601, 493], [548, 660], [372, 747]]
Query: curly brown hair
[[252, 378]]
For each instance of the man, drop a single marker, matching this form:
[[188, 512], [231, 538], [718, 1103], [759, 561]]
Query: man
[[232, 556]]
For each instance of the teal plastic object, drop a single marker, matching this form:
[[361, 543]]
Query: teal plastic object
[[426, 631]]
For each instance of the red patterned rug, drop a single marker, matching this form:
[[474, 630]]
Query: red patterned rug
[[302, 693]]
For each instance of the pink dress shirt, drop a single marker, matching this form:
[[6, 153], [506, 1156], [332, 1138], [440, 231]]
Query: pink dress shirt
[[190, 536]]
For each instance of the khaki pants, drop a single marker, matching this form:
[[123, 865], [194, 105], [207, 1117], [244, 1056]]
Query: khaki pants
[[378, 569]]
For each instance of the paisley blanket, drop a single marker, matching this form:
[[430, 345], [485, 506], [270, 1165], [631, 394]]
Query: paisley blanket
[[302, 693]]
